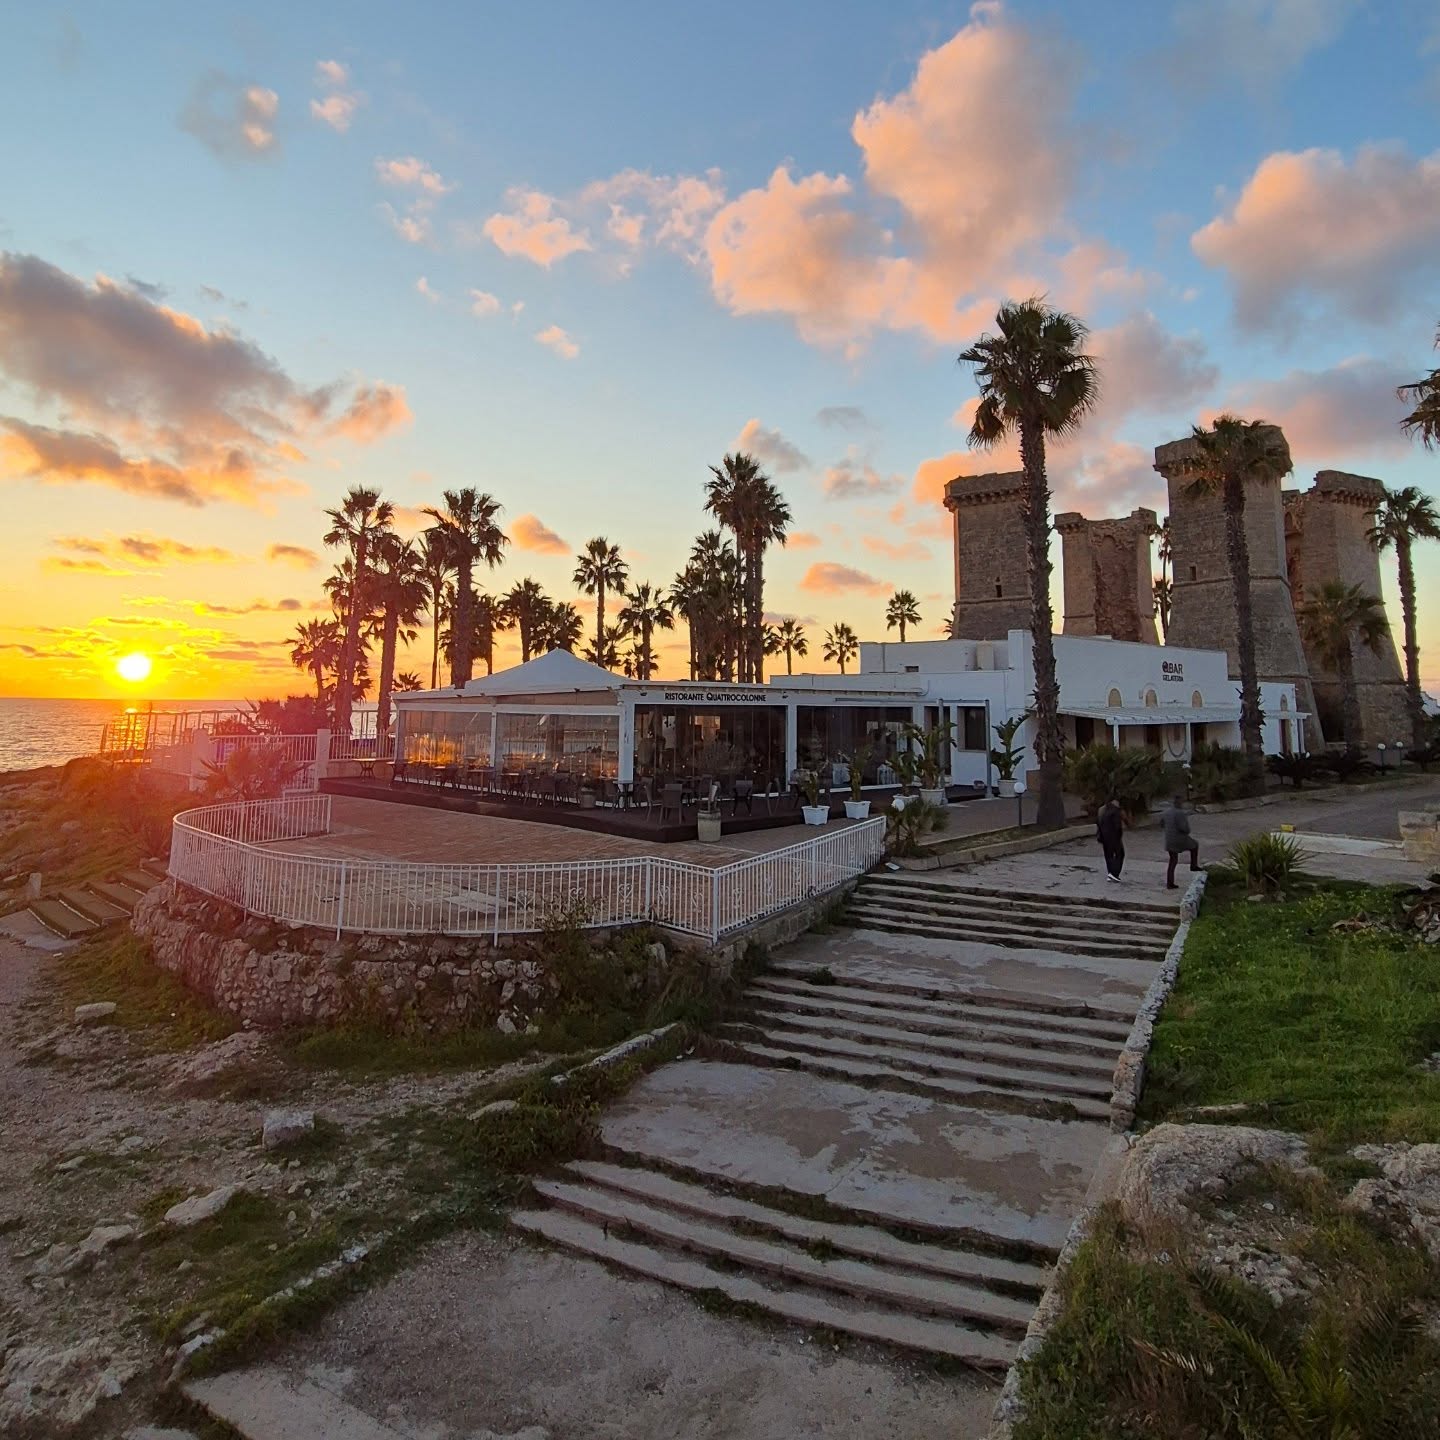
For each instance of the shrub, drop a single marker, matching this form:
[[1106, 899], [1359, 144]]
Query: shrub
[[1268, 862], [903, 828], [1426, 756], [1296, 768], [1217, 773], [1342, 764], [1133, 777], [250, 773]]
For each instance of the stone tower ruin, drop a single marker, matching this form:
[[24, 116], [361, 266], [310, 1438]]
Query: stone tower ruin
[[1325, 539], [1109, 589], [992, 576], [1202, 604]]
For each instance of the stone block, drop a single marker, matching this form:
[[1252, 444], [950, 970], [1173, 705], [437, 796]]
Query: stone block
[[285, 1127], [199, 1208], [96, 1013]]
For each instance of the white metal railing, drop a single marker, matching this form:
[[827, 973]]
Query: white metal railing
[[220, 850]]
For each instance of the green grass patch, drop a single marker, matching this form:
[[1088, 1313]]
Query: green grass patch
[[117, 965], [1313, 1029], [1150, 1351]]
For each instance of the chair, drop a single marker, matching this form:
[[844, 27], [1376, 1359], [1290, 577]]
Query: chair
[[672, 801], [397, 773], [742, 792]]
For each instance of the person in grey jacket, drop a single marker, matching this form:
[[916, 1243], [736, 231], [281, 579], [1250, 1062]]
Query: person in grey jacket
[[1178, 838]]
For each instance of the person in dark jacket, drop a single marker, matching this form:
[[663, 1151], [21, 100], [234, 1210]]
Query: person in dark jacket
[[1110, 832], [1178, 838]]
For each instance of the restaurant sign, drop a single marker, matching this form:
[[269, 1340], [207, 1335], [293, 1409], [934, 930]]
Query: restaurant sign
[[731, 695]]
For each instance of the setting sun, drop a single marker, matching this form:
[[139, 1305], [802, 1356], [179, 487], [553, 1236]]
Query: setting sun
[[133, 668]]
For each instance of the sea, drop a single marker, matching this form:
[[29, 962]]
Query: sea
[[50, 732]]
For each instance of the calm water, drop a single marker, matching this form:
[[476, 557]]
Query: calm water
[[50, 732]]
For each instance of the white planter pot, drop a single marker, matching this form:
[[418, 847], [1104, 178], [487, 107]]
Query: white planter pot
[[707, 828], [587, 799], [1007, 789], [901, 801], [932, 797], [857, 809], [815, 814]]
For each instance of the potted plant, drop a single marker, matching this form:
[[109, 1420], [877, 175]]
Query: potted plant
[[906, 765], [588, 793], [814, 812], [931, 756], [855, 807], [1007, 754], [707, 821]]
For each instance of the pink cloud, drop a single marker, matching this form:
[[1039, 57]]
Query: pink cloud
[[533, 231], [770, 446], [827, 578], [336, 111], [802, 540], [1144, 368], [558, 340], [854, 478], [529, 532], [908, 550], [1354, 236], [410, 172], [931, 476], [376, 410]]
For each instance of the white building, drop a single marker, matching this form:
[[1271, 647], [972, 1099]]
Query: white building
[[560, 713]]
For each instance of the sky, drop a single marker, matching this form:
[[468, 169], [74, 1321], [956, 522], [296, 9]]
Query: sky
[[572, 254]]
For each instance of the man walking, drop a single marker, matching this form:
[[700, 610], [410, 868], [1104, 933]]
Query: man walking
[[1178, 838], [1110, 832]]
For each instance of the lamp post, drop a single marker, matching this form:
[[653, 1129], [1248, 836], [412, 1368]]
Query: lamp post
[[1382, 757], [1020, 804], [1401, 746]]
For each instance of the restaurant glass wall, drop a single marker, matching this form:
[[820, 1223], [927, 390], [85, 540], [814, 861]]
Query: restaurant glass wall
[[560, 740], [723, 741], [444, 737], [830, 734]]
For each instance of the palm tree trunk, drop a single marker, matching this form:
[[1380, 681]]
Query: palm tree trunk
[[1238, 554], [1349, 697], [319, 681], [902, 629], [1049, 739], [435, 642], [1413, 699], [345, 681], [757, 608], [788, 664], [460, 658], [387, 672], [600, 620]]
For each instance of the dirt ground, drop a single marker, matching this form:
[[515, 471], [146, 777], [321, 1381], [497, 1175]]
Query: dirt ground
[[488, 1335]]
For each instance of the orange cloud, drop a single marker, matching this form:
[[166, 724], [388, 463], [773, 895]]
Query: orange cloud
[[908, 550], [529, 532], [827, 578], [558, 340], [802, 540], [376, 410], [770, 446], [532, 229], [931, 476], [296, 555], [145, 550], [412, 173], [233, 120], [853, 478]]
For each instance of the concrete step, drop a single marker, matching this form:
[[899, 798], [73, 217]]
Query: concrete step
[[96, 907], [1128, 906], [1021, 1056], [879, 1074], [767, 1258], [156, 866], [61, 920], [1080, 1017], [125, 896], [937, 1020], [800, 1306], [1078, 927], [1160, 920], [871, 917], [139, 878], [951, 1257], [1031, 1077]]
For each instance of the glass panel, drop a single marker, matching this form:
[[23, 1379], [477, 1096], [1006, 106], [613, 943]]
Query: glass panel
[[830, 734], [445, 737], [972, 728], [559, 741], [724, 742]]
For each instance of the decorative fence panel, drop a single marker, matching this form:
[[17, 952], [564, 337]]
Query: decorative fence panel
[[221, 850]]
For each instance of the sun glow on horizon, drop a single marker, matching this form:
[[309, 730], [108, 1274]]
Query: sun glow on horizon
[[134, 667]]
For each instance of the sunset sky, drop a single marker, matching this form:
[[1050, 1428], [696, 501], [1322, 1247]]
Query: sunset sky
[[572, 253]]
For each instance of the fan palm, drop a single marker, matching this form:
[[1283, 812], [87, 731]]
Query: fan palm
[[1225, 458], [560, 627], [1404, 517], [1423, 421], [526, 605], [791, 634], [436, 567], [648, 609], [400, 595], [1334, 617], [315, 646], [357, 524], [841, 645], [607, 652], [1035, 381], [472, 534], [598, 568], [902, 609]]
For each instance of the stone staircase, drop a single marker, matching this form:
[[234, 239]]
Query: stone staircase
[[976, 1047], [81, 910], [941, 1293], [907, 904]]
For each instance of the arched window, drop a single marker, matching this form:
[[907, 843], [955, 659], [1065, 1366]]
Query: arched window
[[1284, 702], [1196, 699], [1151, 698], [1113, 700]]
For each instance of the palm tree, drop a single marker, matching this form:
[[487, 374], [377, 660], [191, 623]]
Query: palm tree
[[902, 609], [1334, 617], [841, 645], [1035, 380], [560, 627], [771, 635], [400, 595], [739, 494], [315, 646], [406, 682], [1226, 457], [1424, 420], [791, 634], [607, 654], [1163, 589], [1404, 517], [488, 617], [436, 567], [361, 519], [348, 597], [526, 605], [471, 533], [598, 568], [648, 609]]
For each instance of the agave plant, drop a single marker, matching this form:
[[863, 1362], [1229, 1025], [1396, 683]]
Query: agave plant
[[1269, 862]]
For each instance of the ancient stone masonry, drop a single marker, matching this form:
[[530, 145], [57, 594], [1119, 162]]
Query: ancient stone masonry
[[1109, 589], [1202, 613], [1325, 539], [992, 574]]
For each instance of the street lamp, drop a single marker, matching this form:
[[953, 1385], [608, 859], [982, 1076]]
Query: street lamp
[[1382, 757], [1019, 804]]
